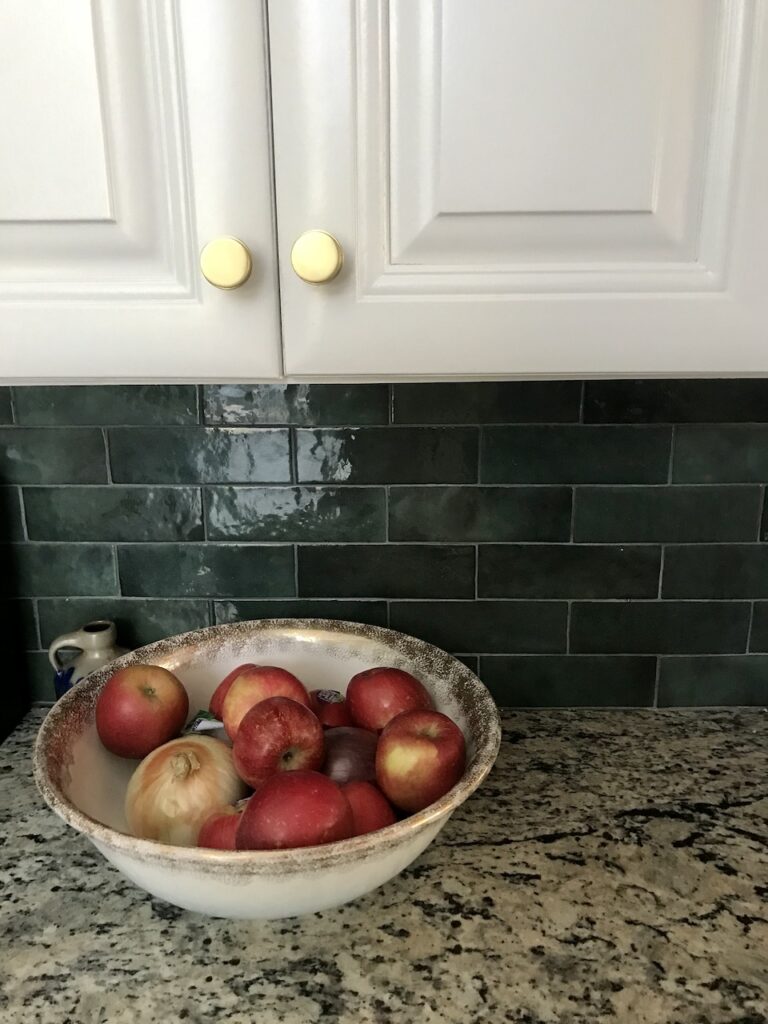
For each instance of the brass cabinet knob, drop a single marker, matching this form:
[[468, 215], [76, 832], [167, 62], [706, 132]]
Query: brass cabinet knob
[[226, 262], [316, 256]]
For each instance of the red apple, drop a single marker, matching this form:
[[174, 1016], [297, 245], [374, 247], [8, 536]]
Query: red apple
[[350, 754], [370, 808], [140, 708], [295, 809], [217, 700], [257, 683], [330, 707], [378, 694], [420, 756], [218, 831], [277, 735]]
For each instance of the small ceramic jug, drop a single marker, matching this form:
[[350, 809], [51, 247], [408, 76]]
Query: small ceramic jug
[[96, 642]]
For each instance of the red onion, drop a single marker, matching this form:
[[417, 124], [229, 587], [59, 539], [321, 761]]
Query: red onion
[[350, 754]]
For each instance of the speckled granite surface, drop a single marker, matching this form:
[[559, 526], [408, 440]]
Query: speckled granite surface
[[613, 868]]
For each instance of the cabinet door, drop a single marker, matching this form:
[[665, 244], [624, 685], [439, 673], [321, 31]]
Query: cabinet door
[[133, 133], [525, 187]]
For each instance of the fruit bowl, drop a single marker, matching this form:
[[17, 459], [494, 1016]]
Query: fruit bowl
[[85, 784]]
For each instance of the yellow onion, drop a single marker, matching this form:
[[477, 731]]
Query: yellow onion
[[178, 786]]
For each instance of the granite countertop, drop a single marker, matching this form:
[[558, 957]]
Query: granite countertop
[[613, 868]]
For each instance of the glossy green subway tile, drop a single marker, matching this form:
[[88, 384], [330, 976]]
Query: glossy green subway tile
[[373, 613], [666, 514], [659, 627], [53, 570], [22, 622], [716, 571], [43, 455], [6, 413], [568, 681], [714, 682], [138, 621], [114, 513], [554, 401], [187, 455], [303, 405], [39, 676], [758, 637], [470, 660], [106, 404], [296, 513], [388, 455], [386, 570], [676, 401], [206, 570], [11, 516], [721, 454], [504, 627], [480, 513], [575, 454], [568, 571]]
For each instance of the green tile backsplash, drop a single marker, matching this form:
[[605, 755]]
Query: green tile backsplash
[[597, 544]]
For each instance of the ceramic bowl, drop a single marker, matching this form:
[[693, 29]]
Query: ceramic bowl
[[85, 784]]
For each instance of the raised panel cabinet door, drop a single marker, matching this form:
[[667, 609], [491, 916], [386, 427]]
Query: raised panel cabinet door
[[132, 134], [524, 187]]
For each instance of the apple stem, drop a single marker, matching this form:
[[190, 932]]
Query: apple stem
[[183, 764]]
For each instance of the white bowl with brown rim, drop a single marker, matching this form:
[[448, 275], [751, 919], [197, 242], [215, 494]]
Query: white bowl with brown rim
[[85, 784]]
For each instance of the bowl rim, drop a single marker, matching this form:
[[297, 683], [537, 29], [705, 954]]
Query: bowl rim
[[239, 862]]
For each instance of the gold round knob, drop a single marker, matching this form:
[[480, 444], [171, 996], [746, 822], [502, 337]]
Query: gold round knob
[[226, 262], [317, 256]]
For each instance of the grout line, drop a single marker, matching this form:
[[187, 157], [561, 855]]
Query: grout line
[[391, 403], [655, 701], [386, 514], [203, 511], [761, 513], [521, 653], [296, 570], [671, 453], [568, 628], [661, 571], [211, 612], [438, 599], [36, 619], [388, 607], [582, 397], [464, 543], [199, 404], [116, 567], [23, 511], [614, 654], [477, 571], [12, 401], [749, 628], [468, 484], [573, 515], [293, 456], [480, 437], [107, 455]]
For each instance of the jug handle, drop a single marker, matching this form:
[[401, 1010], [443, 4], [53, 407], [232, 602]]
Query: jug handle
[[65, 640]]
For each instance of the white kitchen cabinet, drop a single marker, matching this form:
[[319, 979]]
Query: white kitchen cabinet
[[519, 188], [524, 187], [133, 134]]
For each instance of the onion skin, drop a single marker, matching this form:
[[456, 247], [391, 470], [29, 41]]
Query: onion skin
[[178, 786], [350, 754]]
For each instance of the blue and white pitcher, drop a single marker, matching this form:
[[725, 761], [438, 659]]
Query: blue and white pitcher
[[97, 643]]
